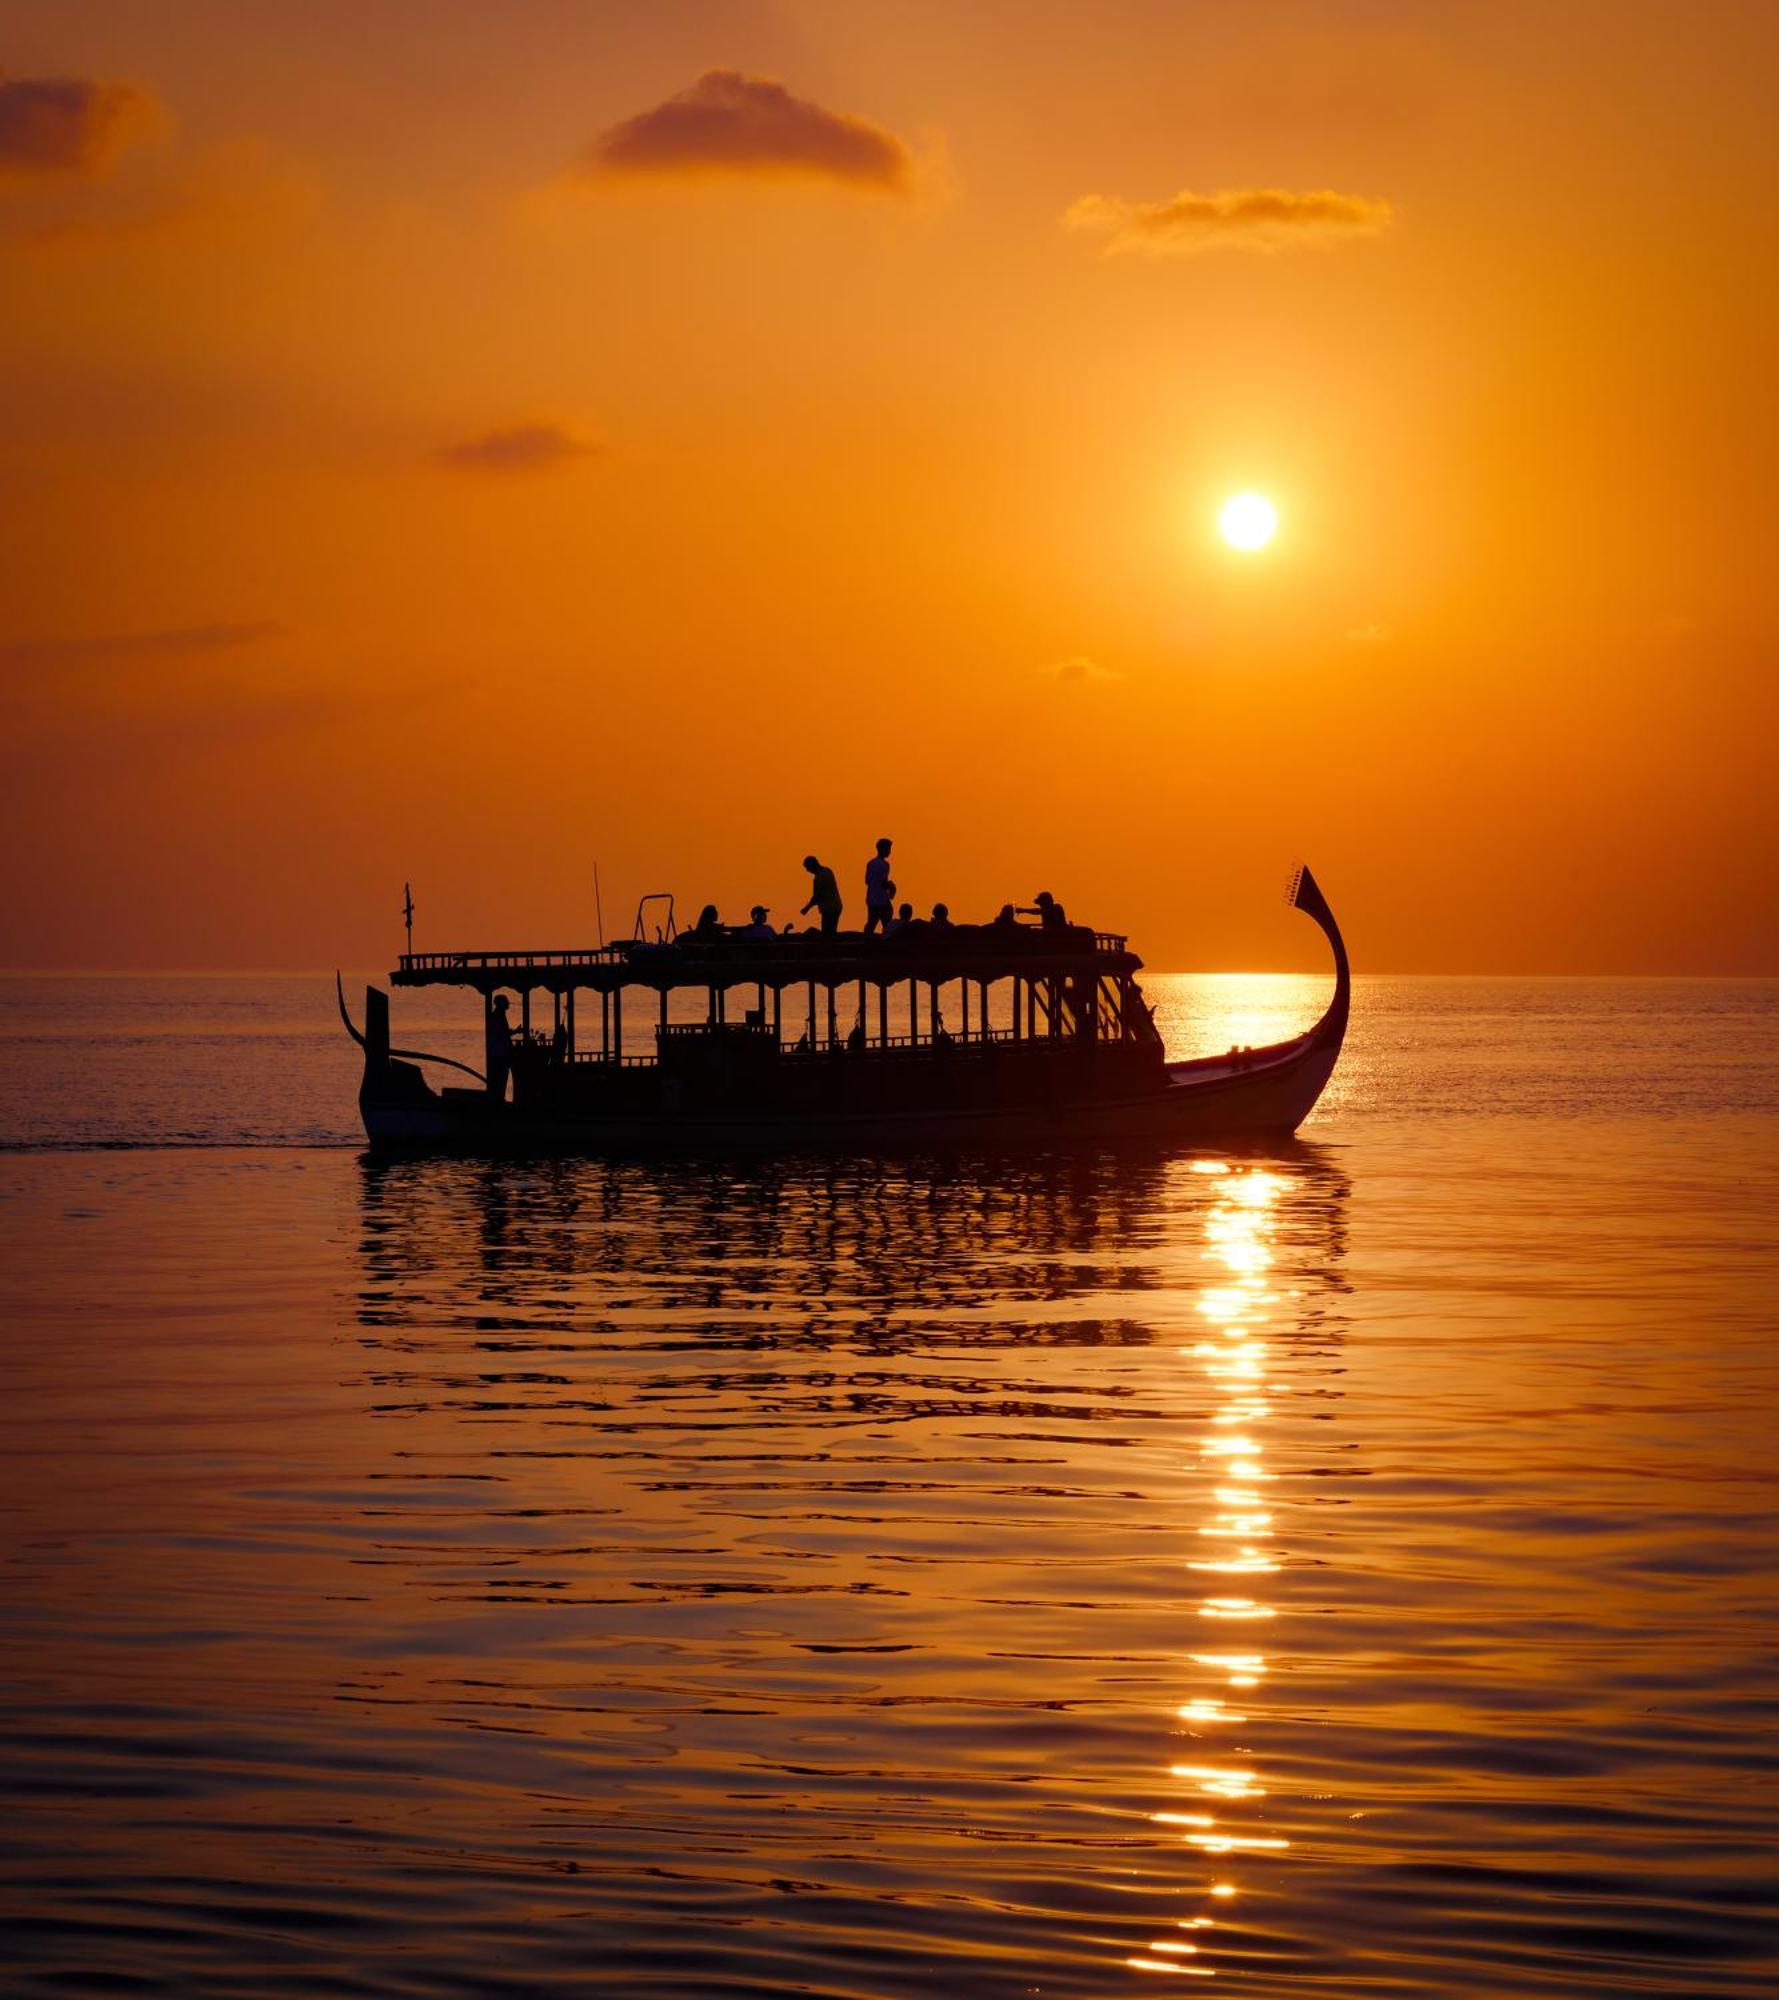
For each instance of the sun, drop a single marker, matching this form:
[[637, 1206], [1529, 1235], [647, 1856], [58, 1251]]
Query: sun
[[1248, 521]]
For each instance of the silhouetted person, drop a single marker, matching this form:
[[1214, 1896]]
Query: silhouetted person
[[756, 925], [498, 1044], [856, 1040], [1008, 920], [904, 917], [709, 924], [941, 917], [824, 896], [1050, 912], [880, 891]]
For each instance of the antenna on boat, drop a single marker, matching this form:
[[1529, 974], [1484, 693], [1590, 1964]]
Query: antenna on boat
[[408, 914], [598, 906]]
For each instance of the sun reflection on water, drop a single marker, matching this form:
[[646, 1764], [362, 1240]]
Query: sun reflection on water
[[1222, 1811]]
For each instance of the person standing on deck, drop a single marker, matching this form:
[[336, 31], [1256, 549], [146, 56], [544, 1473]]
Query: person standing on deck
[[498, 1046], [824, 897], [880, 891]]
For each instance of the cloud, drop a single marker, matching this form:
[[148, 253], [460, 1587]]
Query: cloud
[[727, 123], [171, 640], [520, 448], [66, 125], [1233, 218], [1080, 671]]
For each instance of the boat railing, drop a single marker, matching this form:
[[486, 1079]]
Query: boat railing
[[499, 961], [950, 1041], [677, 1030], [685, 951]]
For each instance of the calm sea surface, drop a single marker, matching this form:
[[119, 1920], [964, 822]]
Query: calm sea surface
[[1347, 1569]]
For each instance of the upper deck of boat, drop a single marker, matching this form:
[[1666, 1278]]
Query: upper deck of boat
[[978, 952]]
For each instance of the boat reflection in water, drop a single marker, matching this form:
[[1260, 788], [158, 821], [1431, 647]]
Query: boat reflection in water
[[817, 1550]]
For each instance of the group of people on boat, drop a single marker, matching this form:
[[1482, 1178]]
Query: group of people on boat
[[883, 915]]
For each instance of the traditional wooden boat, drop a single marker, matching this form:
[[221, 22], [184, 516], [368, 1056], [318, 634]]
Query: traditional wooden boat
[[995, 1035]]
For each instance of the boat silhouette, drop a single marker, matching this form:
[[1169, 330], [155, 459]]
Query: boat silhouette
[[1051, 1044]]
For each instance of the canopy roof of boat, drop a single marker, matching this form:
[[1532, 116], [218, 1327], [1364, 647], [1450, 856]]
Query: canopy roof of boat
[[958, 951]]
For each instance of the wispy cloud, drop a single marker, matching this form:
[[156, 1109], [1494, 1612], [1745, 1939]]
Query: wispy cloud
[[1231, 219], [728, 123], [67, 126], [519, 448], [173, 640], [1079, 671]]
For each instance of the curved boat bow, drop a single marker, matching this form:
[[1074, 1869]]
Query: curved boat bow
[[1273, 1089]]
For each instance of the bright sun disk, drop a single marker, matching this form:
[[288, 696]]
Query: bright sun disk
[[1248, 521]]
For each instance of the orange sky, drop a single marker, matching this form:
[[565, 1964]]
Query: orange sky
[[455, 443]]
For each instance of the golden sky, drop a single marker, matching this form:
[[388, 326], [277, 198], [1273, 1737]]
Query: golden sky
[[464, 443]]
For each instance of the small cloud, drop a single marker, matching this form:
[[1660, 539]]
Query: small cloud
[[66, 125], [1079, 671], [519, 448], [1369, 635], [1233, 218], [99, 647], [727, 123]]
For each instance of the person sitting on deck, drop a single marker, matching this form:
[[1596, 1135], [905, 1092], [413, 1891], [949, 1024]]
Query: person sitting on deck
[[1050, 912], [756, 925], [709, 924], [880, 891], [941, 917], [1008, 919], [824, 896], [904, 917]]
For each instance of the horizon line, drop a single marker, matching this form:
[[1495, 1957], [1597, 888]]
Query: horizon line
[[1154, 972]]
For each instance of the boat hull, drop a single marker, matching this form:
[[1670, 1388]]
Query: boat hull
[[1268, 1095]]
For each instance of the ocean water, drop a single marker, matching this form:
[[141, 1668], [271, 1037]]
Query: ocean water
[[1346, 1568]]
